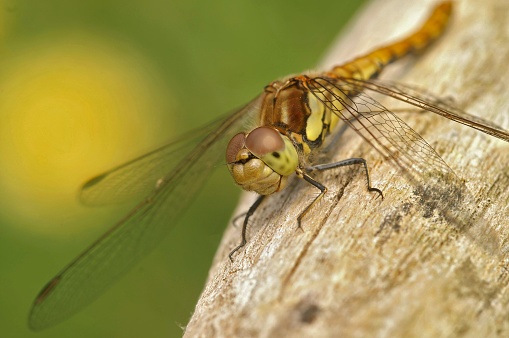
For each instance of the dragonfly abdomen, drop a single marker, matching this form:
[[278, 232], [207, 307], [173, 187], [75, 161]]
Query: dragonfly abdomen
[[370, 65]]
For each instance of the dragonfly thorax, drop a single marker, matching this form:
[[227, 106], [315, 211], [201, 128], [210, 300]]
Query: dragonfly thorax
[[292, 107], [261, 160]]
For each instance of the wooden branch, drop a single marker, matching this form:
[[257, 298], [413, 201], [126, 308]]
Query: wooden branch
[[367, 267]]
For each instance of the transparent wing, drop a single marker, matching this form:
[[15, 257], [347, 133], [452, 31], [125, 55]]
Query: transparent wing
[[385, 131], [437, 186], [429, 102], [381, 128], [141, 176], [85, 278]]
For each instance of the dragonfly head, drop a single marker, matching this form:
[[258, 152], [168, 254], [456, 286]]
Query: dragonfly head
[[261, 160]]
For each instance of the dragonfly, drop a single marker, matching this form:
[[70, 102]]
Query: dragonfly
[[272, 138]]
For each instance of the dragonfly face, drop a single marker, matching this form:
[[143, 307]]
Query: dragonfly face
[[262, 160]]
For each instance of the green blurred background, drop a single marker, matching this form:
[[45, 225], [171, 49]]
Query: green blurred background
[[86, 85]]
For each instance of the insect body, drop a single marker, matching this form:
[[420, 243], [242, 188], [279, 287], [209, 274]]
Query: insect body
[[297, 114]]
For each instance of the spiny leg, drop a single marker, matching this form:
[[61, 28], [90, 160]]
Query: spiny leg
[[343, 163], [249, 213], [309, 179], [323, 190]]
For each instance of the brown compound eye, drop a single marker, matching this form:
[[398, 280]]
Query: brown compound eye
[[264, 140], [234, 146]]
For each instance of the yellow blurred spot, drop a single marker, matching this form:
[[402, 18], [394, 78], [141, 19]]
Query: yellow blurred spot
[[71, 108]]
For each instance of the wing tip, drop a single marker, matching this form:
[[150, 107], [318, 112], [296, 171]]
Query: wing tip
[[83, 195], [93, 181], [34, 322]]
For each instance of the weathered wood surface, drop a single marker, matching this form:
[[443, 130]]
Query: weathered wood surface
[[366, 267]]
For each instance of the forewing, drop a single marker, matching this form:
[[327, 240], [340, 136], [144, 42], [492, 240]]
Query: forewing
[[381, 128], [431, 103], [440, 191], [139, 177], [84, 279]]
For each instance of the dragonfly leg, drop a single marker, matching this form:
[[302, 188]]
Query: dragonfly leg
[[248, 214], [343, 163], [321, 187]]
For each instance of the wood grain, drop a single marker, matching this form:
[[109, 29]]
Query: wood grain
[[366, 267]]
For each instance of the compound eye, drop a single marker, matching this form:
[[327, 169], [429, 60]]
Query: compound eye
[[264, 140], [234, 146]]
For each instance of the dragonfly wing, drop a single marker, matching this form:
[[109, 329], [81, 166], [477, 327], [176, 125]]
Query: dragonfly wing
[[429, 102], [85, 278], [139, 177], [439, 190], [381, 128], [142, 176]]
